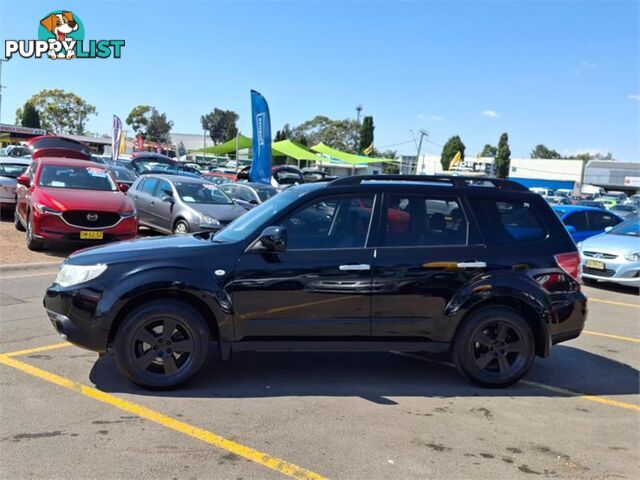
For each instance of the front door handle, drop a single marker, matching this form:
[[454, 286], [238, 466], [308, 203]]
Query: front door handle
[[472, 264], [355, 268]]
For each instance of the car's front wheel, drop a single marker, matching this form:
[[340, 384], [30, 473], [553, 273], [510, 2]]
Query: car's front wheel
[[162, 344], [181, 228], [494, 347], [32, 243], [17, 223]]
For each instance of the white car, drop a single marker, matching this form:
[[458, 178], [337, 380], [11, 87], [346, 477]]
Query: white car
[[10, 169]]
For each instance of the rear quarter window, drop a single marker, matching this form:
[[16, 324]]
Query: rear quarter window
[[508, 221]]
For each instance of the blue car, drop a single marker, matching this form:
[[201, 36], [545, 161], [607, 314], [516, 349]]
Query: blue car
[[584, 222]]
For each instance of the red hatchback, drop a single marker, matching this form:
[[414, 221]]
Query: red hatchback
[[68, 200]]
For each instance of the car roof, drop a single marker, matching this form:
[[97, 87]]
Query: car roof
[[175, 178], [70, 162], [577, 208]]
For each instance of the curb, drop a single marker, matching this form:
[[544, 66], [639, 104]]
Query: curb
[[20, 267]]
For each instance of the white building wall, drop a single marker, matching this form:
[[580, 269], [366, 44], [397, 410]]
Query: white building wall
[[547, 169]]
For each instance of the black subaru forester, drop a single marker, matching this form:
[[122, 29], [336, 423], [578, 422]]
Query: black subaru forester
[[481, 269]]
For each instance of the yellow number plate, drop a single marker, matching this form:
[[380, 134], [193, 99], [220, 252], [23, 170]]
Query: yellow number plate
[[87, 235], [595, 264]]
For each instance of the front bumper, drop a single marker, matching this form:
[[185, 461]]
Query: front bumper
[[49, 228], [616, 270]]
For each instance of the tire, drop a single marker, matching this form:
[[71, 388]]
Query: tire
[[181, 228], [17, 223], [494, 347], [32, 244], [140, 341]]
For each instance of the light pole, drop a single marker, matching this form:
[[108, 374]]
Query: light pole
[[1, 86], [358, 112], [423, 133]]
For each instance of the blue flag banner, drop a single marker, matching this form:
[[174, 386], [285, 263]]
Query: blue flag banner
[[261, 165], [116, 137]]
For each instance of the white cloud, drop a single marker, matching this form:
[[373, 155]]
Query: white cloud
[[634, 96], [436, 118], [588, 64], [490, 113]]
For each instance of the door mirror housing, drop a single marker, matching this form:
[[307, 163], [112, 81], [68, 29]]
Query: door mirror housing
[[123, 187], [167, 198], [24, 180], [274, 238], [168, 192]]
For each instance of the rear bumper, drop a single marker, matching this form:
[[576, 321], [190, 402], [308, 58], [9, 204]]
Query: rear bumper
[[570, 312]]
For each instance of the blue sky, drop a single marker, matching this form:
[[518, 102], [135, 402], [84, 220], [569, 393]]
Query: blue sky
[[562, 73]]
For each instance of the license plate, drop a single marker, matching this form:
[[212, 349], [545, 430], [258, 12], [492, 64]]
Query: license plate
[[595, 264], [87, 235]]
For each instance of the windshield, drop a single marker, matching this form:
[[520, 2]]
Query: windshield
[[630, 227], [624, 208], [266, 193], [11, 170], [192, 192], [242, 227], [82, 178]]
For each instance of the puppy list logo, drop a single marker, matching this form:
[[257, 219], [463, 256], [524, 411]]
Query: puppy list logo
[[61, 37]]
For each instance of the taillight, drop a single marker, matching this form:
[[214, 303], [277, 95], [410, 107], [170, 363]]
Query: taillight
[[570, 263]]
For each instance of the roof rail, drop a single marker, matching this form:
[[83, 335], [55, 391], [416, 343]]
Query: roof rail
[[457, 181]]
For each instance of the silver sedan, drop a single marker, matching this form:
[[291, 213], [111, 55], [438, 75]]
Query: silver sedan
[[613, 256], [10, 169]]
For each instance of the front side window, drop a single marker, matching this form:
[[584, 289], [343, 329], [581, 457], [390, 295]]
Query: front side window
[[81, 178], [333, 222], [149, 186], [602, 220], [507, 221], [578, 221], [419, 220], [162, 188]]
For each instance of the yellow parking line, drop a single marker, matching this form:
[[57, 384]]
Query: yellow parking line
[[608, 335], [591, 398], [551, 388], [46, 348], [206, 436], [611, 302]]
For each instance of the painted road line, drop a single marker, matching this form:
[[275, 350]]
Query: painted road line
[[544, 386], [611, 302], [206, 436], [45, 348], [608, 335], [41, 274]]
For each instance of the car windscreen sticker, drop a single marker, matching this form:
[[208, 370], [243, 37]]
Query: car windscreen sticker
[[56, 183], [210, 186], [98, 172], [189, 199]]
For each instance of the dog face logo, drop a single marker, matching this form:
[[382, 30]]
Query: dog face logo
[[60, 24]]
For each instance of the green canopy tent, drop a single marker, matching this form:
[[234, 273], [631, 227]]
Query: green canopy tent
[[230, 146], [349, 157], [296, 151]]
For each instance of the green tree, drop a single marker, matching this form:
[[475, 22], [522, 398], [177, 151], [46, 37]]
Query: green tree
[[138, 119], [489, 151], [503, 158], [60, 111], [158, 127], [449, 150], [366, 134], [30, 116], [181, 150], [221, 125], [541, 151], [339, 134], [592, 156]]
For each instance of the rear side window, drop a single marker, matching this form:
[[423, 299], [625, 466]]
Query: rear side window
[[602, 220], [577, 220], [149, 186], [508, 221], [424, 221]]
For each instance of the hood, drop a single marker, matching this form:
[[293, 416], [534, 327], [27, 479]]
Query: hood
[[72, 199], [150, 250], [610, 243], [224, 213]]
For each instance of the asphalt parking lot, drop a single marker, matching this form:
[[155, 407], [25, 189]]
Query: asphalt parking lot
[[64, 413]]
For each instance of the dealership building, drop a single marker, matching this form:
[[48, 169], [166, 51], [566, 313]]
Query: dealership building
[[540, 172]]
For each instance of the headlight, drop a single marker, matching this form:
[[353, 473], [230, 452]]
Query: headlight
[[633, 257], [70, 275], [205, 220], [43, 209], [128, 214]]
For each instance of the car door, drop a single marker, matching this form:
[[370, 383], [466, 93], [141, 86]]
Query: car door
[[598, 221], [161, 208], [23, 193], [320, 287], [578, 220], [143, 197], [427, 248]]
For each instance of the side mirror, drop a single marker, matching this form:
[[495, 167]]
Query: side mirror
[[274, 238], [23, 180], [571, 229], [124, 188], [167, 198], [607, 229], [168, 192]]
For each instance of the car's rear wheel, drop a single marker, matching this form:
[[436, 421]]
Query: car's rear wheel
[[181, 228], [17, 223], [495, 347], [162, 344], [32, 243]]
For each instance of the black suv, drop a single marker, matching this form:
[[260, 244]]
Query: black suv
[[481, 269]]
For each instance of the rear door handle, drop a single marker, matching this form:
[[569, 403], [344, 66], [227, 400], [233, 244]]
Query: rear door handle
[[355, 268], [472, 264]]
